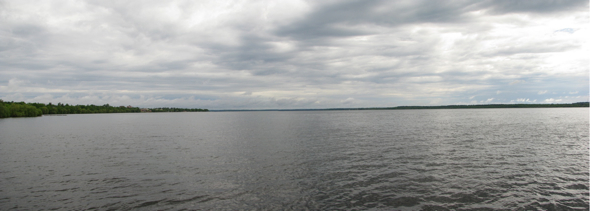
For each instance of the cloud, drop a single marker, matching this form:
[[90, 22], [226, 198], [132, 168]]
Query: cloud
[[542, 92], [540, 7], [348, 101], [551, 100], [291, 54], [566, 30], [523, 100]]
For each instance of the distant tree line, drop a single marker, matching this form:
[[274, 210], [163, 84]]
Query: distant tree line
[[22, 109], [560, 105], [578, 104], [166, 109]]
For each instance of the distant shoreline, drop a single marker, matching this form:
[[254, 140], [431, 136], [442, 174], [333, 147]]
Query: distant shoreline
[[22, 109], [564, 105]]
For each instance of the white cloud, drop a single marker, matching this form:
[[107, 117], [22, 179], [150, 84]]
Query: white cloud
[[551, 100], [349, 100], [523, 100], [268, 54], [437, 101]]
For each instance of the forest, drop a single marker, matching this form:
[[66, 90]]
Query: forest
[[22, 109], [166, 109], [553, 105], [560, 105]]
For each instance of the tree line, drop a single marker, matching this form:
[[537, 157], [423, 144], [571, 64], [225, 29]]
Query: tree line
[[22, 109], [559, 105], [166, 109]]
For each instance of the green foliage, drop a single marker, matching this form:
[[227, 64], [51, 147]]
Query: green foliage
[[578, 104], [4, 110], [11, 109], [166, 109], [22, 109]]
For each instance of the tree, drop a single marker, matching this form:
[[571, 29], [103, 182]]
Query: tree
[[4, 111]]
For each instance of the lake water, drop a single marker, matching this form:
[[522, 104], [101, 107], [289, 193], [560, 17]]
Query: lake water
[[468, 159]]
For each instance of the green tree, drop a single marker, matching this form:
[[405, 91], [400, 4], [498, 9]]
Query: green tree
[[4, 110]]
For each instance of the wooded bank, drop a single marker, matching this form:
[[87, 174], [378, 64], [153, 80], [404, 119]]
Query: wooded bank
[[22, 109]]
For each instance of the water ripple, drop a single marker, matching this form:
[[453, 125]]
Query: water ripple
[[488, 159]]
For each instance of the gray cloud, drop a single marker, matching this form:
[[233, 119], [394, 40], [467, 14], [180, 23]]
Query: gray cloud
[[543, 6], [293, 54]]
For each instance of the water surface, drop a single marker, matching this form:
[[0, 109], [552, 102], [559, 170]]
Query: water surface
[[468, 159]]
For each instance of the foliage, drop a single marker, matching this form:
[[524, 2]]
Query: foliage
[[578, 104], [165, 109], [22, 109]]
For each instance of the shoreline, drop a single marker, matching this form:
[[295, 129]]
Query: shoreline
[[565, 105]]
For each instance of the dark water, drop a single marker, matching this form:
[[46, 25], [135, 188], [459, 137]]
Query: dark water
[[483, 159]]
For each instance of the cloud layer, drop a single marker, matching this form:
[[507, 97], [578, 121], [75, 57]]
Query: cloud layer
[[293, 54]]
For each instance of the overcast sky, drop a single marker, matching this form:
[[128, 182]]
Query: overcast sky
[[294, 54]]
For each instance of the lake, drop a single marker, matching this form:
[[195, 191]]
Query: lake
[[467, 159]]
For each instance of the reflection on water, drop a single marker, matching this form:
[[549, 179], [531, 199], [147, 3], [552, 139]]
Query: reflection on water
[[534, 159]]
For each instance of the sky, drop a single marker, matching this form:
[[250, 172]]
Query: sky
[[294, 54]]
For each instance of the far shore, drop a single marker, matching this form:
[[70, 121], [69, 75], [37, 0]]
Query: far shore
[[563, 105]]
